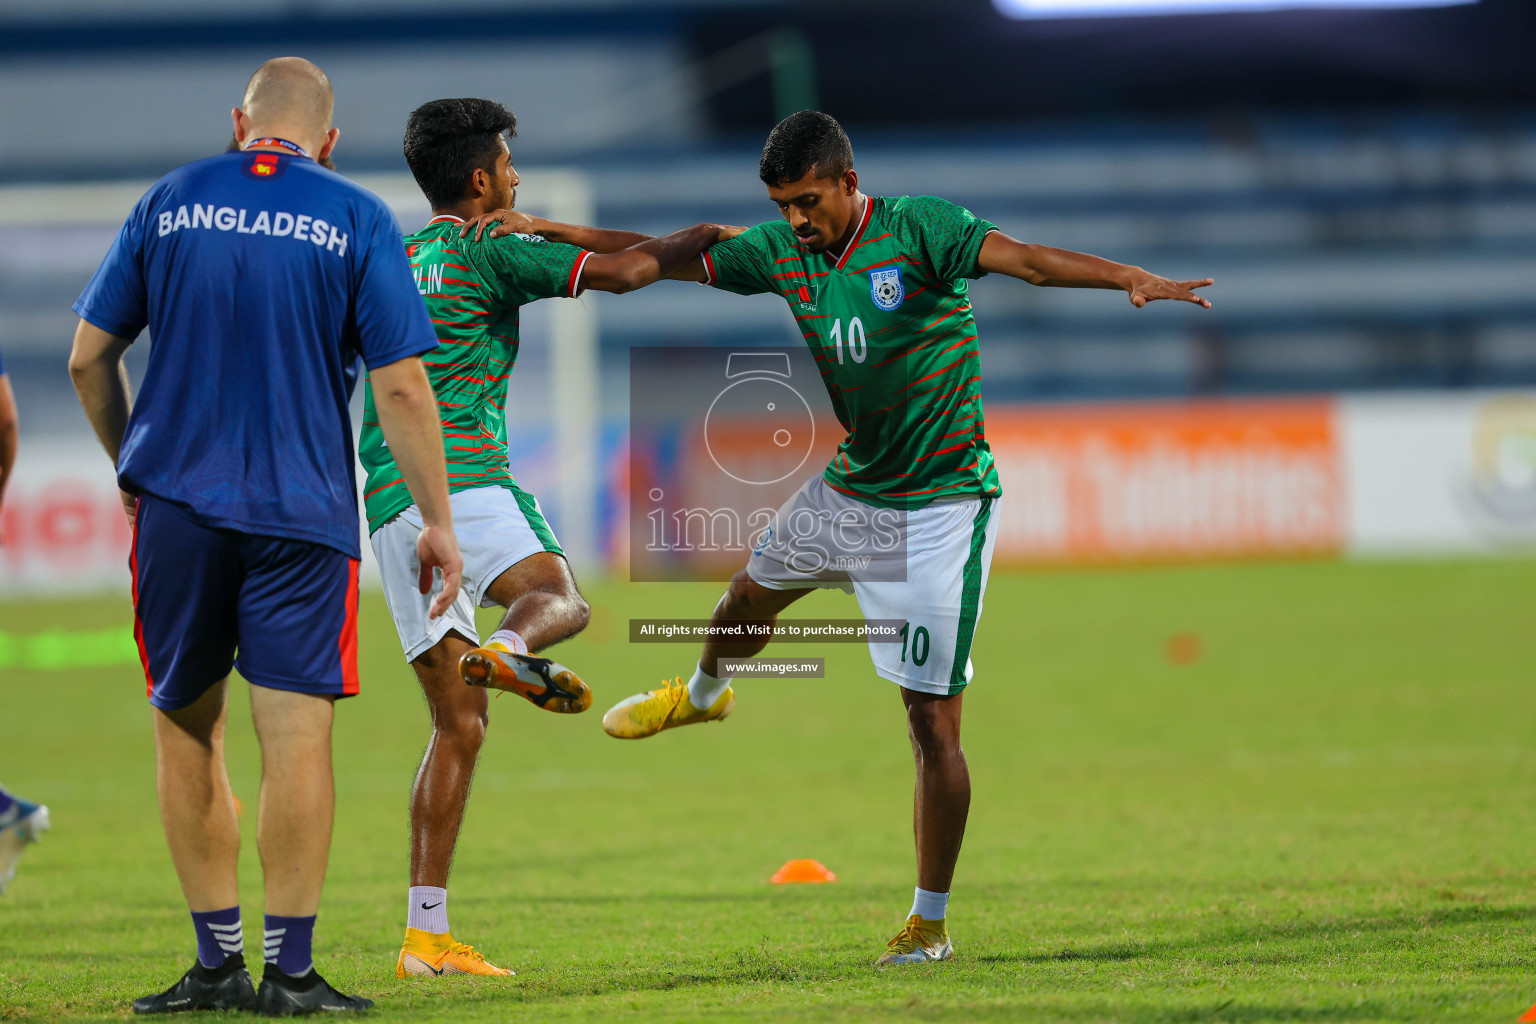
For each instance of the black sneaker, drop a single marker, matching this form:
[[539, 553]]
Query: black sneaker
[[282, 995], [226, 987]]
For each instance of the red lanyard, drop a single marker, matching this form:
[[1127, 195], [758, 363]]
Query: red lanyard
[[274, 141]]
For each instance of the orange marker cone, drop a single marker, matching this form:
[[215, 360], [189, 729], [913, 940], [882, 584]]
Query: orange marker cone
[[1182, 649], [239, 808], [1529, 1016], [805, 870]]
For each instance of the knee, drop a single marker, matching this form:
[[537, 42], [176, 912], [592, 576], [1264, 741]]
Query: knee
[[740, 601], [464, 726], [581, 612], [934, 733]]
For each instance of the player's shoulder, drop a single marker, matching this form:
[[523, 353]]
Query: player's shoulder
[[190, 175], [918, 210], [515, 242], [430, 232], [326, 181], [515, 252], [772, 237]]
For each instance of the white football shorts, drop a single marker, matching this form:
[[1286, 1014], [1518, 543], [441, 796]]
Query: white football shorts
[[927, 567], [497, 527]]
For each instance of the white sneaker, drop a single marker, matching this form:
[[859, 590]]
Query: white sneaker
[[21, 824]]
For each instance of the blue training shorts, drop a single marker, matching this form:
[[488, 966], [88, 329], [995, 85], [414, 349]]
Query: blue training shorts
[[207, 600]]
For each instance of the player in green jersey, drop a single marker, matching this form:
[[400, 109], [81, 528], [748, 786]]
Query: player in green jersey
[[878, 288], [474, 288]]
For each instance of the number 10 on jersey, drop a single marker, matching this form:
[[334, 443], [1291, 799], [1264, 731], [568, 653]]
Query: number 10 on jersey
[[857, 347]]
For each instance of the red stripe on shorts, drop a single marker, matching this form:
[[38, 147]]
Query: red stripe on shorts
[[138, 623], [347, 642]]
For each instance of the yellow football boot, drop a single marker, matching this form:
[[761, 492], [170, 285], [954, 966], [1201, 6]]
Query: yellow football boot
[[438, 955], [666, 707], [919, 942], [544, 683]]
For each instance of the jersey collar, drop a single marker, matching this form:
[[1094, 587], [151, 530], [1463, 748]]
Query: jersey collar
[[273, 140], [853, 243], [450, 218]]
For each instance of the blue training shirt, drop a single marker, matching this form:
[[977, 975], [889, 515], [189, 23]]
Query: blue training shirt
[[262, 278]]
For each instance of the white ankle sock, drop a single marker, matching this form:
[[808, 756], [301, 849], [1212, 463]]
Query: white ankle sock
[[704, 689], [515, 643], [429, 909], [930, 906]]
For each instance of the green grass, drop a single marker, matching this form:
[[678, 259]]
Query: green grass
[[1329, 816]]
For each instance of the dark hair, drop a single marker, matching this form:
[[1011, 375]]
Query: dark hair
[[446, 140], [803, 141]]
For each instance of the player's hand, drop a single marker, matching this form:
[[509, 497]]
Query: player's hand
[[438, 548], [130, 507], [725, 232], [501, 223], [1149, 288]]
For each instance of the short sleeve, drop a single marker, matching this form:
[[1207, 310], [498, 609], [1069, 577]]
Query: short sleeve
[[950, 236], [391, 319], [116, 299], [740, 264], [527, 268]]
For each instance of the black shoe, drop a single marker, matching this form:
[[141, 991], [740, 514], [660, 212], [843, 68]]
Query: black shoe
[[282, 995], [226, 987]]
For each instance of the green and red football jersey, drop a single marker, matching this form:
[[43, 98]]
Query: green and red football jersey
[[473, 291], [890, 325]]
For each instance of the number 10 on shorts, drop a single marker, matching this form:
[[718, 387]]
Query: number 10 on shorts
[[920, 643]]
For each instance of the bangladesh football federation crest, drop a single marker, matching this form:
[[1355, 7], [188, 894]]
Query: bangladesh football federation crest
[[885, 288]]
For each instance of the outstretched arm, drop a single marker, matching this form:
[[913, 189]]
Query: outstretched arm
[[1063, 268], [597, 241], [649, 261]]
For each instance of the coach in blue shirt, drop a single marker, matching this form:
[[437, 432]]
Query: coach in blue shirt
[[262, 278]]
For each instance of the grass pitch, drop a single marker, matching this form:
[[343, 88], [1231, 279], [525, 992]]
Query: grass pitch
[[1326, 816]]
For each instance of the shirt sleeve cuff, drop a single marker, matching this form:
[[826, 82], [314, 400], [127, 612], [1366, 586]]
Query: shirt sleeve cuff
[[574, 287], [710, 277], [117, 330], [374, 360]]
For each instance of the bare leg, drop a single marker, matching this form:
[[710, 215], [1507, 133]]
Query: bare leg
[[543, 607], [542, 602], [448, 766], [298, 797], [197, 807], [745, 600], [943, 793]]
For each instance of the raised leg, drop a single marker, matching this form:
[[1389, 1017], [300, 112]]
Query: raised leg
[[745, 600], [542, 602]]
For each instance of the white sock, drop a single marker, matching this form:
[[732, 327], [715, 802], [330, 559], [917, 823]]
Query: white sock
[[429, 909], [704, 689], [515, 643], [930, 906]]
